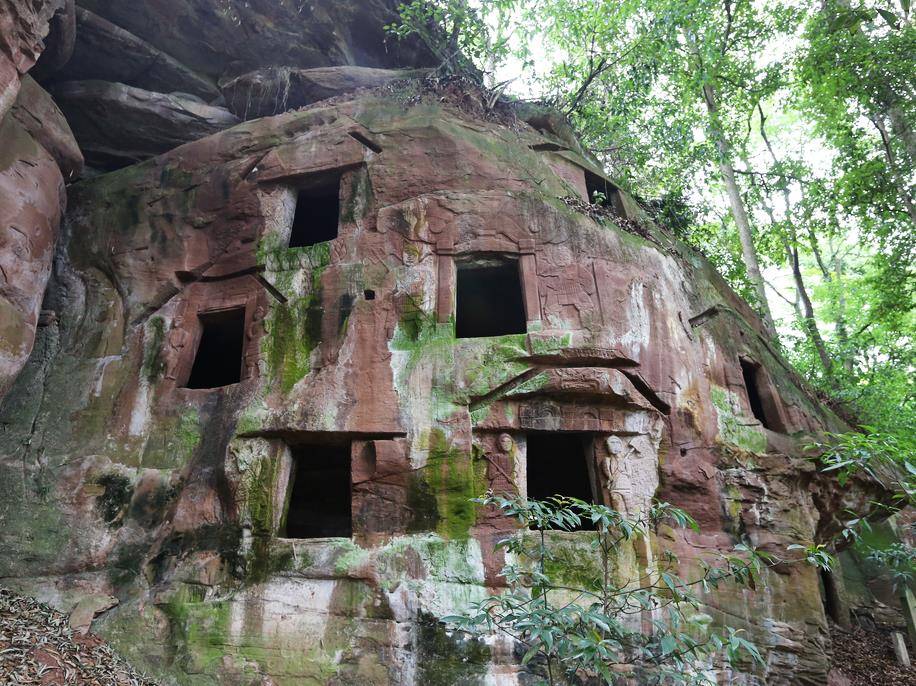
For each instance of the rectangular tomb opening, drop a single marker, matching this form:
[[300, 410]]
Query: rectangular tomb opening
[[490, 300], [602, 192], [760, 396], [557, 464], [320, 495], [317, 212], [218, 360]]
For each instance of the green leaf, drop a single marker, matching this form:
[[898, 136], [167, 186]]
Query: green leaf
[[889, 17]]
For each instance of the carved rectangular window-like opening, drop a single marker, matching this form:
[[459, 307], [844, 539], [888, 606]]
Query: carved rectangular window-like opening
[[317, 212], [218, 360], [557, 465], [320, 497], [489, 296], [760, 396], [602, 192]]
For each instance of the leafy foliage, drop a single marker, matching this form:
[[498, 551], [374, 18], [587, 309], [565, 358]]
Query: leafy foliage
[[595, 628]]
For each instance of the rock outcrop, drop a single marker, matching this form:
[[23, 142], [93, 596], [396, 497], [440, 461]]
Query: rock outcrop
[[38, 114], [23, 26], [273, 90], [117, 125], [227, 39], [278, 357], [106, 52], [32, 192]]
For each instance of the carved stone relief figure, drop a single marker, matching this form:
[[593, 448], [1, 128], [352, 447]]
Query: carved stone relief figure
[[629, 471], [569, 288], [500, 452]]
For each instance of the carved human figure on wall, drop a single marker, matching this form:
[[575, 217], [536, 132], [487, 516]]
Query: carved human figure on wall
[[501, 465], [629, 470]]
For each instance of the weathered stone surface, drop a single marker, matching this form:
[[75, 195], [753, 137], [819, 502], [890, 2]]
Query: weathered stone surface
[[32, 199], [277, 89], [59, 42], [175, 499], [86, 609], [23, 26], [230, 38], [117, 125], [107, 52], [36, 112]]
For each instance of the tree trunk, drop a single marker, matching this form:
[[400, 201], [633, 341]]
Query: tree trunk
[[891, 160], [739, 212], [791, 247], [809, 322]]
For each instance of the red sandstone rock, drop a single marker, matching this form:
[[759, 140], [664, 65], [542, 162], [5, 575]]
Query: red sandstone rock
[[36, 112], [31, 203], [225, 40], [23, 26], [117, 124], [277, 89], [107, 52]]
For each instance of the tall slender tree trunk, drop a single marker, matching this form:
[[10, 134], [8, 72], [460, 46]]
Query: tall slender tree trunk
[[891, 160], [809, 322], [791, 248], [739, 212]]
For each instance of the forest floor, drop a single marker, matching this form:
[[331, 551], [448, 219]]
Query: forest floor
[[866, 658], [37, 646]]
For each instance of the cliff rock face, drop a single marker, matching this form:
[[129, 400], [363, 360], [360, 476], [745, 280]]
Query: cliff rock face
[[277, 362]]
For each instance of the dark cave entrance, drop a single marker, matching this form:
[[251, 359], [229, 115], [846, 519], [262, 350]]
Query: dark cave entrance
[[602, 192], [759, 395], [321, 495], [830, 597], [557, 465], [218, 360], [489, 300], [317, 212]]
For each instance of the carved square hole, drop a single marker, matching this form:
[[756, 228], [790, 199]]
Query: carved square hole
[[317, 211], [320, 496], [218, 359], [602, 192], [760, 396], [489, 299], [556, 464]]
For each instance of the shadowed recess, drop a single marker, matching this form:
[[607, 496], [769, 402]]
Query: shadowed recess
[[557, 466], [319, 504], [317, 213], [489, 301], [218, 361]]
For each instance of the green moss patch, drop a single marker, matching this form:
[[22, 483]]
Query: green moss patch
[[733, 428], [454, 478]]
